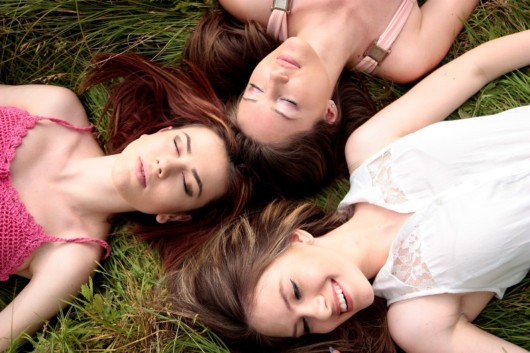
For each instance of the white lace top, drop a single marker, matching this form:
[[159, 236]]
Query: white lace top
[[467, 183]]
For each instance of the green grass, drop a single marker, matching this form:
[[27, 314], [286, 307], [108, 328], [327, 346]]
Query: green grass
[[123, 309]]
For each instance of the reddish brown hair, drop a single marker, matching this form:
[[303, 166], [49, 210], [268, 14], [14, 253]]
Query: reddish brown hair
[[147, 97]]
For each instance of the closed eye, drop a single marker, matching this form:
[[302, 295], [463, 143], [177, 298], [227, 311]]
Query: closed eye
[[253, 86], [296, 290], [298, 296], [187, 188], [306, 327], [176, 140], [289, 101]]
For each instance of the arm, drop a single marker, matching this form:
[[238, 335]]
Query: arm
[[439, 94], [247, 10], [434, 324], [439, 22], [45, 100], [61, 272]]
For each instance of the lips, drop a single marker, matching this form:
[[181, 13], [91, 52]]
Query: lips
[[288, 62], [343, 302], [140, 173]]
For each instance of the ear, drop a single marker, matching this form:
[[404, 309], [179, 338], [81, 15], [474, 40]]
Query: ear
[[332, 113], [301, 236], [165, 128], [176, 217]]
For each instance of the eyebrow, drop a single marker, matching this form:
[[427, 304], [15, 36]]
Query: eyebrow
[[273, 109], [288, 305], [194, 171]]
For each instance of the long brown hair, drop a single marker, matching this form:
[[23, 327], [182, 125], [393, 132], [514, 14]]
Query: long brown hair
[[228, 51], [217, 285], [146, 97], [309, 160]]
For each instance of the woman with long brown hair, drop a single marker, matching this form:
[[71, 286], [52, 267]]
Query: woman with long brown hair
[[435, 222], [170, 162], [228, 52], [283, 110]]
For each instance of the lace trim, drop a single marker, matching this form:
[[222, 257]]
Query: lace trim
[[381, 172], [409, 266]]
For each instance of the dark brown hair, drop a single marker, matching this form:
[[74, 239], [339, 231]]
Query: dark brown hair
[[311, 159], [146, 97], [227, 51], [217, 285]]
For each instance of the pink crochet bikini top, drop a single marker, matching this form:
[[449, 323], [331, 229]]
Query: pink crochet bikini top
[[19, 234]]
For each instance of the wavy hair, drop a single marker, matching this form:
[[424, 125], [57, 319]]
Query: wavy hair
[[217, 285], [145, 97], [309, 160], [228, 51]]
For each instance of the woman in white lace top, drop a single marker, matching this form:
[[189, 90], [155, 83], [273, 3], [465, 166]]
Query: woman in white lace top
[[437, 222]]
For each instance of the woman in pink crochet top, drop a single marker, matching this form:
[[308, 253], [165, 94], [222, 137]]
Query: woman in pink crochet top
[[170, 155]]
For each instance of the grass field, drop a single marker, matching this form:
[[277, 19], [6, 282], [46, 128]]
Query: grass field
[[123, 309]]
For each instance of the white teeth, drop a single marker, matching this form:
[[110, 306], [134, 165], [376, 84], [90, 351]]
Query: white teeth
[[340, 296]]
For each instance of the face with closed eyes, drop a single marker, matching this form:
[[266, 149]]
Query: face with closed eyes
[[172, 171], [288, 92], [308, 289]]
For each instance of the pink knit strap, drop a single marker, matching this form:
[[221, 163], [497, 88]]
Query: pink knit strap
[[68, 125], [100, 242], [380, 48], [277, 25]]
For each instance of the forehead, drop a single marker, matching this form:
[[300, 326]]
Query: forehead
[[261, 123], [268, 313]]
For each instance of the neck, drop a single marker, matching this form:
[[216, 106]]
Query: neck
[[367, 237], [316, 23], [88, 182], [333, 54]]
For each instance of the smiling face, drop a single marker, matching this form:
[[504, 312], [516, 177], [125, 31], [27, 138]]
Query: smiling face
[[288, 92], [173, 170], [308, 289]]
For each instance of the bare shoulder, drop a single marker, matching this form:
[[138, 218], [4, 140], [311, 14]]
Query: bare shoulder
[[45, 100], [74, 261], [419, 322], [425, 39], [246, 10]]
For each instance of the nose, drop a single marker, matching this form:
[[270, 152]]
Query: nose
[[316, 308], [279, 76], [167, 166]]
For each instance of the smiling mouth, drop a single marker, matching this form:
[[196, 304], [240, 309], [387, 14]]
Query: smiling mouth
[[341, 298]]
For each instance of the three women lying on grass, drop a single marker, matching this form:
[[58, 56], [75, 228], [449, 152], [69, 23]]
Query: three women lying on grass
[[436, 222], [290, 106], [169, 164]]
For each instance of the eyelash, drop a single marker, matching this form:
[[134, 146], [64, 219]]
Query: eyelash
[[296, 291], [255, 87], [283, 99], [187, 188], [176, 145], [289, 101]]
